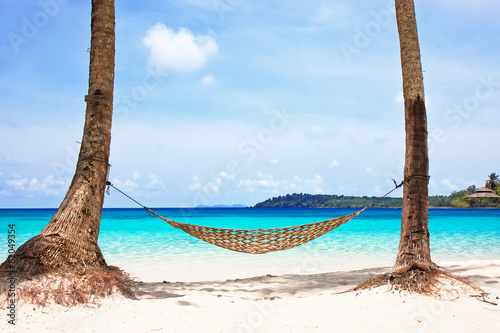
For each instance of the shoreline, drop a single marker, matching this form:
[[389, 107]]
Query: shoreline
[[279, 303], [220, 270]]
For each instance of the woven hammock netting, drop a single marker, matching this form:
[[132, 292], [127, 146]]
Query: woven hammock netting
[[258, 241]]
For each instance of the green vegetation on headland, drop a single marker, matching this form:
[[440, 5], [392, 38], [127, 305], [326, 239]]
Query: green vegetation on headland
[[456, 199], [304, 200]]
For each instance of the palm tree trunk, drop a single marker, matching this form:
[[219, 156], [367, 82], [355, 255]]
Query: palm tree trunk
[[414, 248], [69, 241]]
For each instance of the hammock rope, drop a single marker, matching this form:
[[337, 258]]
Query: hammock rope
[[259, 241]]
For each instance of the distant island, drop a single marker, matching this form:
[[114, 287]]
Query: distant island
[[456, 199], [223, 206]]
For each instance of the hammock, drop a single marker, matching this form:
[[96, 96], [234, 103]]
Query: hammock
[[258, 241]]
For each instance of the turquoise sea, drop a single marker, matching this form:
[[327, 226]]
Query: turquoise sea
[[150, 249]]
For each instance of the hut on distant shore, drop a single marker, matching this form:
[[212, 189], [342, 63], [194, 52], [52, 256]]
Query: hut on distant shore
[[483, 193]]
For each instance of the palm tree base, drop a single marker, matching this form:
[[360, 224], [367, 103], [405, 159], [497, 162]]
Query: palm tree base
[[69, 288], [419, 279]]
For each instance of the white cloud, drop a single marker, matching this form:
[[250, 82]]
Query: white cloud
[[223, 177], [333, 164], [448, 183], [181, 51], [48, 186], [17, 184], [369, 170], [196, 185], [219, 181], [154, 181], [207, 80], [316, 184], [267, 183], [127, 185], [263, 181]]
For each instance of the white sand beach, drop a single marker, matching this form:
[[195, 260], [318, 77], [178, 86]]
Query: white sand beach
[[284, 303]]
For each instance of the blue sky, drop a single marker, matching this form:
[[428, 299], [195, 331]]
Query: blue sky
[[235, 101]]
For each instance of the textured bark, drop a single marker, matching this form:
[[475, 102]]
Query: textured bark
[[69, 241], [414, 245]]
